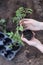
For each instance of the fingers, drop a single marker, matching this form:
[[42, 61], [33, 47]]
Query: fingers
[[23, 21], [36, 43], [33, 33], [24, 39]]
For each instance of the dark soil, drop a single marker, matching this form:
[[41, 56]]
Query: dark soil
[[28, 55], [15, 48], [28, 34]]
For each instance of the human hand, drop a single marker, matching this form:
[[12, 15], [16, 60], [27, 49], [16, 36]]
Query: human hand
[[34, 42], [30, 24]]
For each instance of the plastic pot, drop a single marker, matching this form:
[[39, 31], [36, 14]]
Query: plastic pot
[[1, 36], [2, 50], [9, 55], [7, 41], [12, 53], [5, 50]]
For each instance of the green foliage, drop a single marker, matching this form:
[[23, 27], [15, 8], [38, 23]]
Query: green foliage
[[20, 28], [28, 11], [10, 34], [20, 14], [15, 37]]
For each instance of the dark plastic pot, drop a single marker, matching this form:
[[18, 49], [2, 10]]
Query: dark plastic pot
[[1, 36], [7, 41], [27, 34], [2, 49], [5, 50], [9, 55]]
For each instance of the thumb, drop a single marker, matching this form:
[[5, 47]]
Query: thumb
[[24, 39]]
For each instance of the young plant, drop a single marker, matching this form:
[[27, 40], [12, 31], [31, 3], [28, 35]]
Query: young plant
[[20, 14]]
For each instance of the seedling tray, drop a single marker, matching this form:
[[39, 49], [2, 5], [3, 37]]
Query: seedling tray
[[5, 47]]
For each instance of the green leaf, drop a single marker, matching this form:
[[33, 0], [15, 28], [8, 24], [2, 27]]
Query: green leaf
[[21, 8], [21, 28], [29, 10], [20, 13], [10, 34]]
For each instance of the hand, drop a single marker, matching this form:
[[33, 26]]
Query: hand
[[30, 24], [34, 42]]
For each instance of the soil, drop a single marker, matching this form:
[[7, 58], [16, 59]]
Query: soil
[[15, 47], [28, 34], [27, 55]]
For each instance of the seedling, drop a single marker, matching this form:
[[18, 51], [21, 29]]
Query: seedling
[[20, 14], [12, 47]]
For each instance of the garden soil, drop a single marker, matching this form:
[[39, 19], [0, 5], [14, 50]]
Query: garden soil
[[27, 55]]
